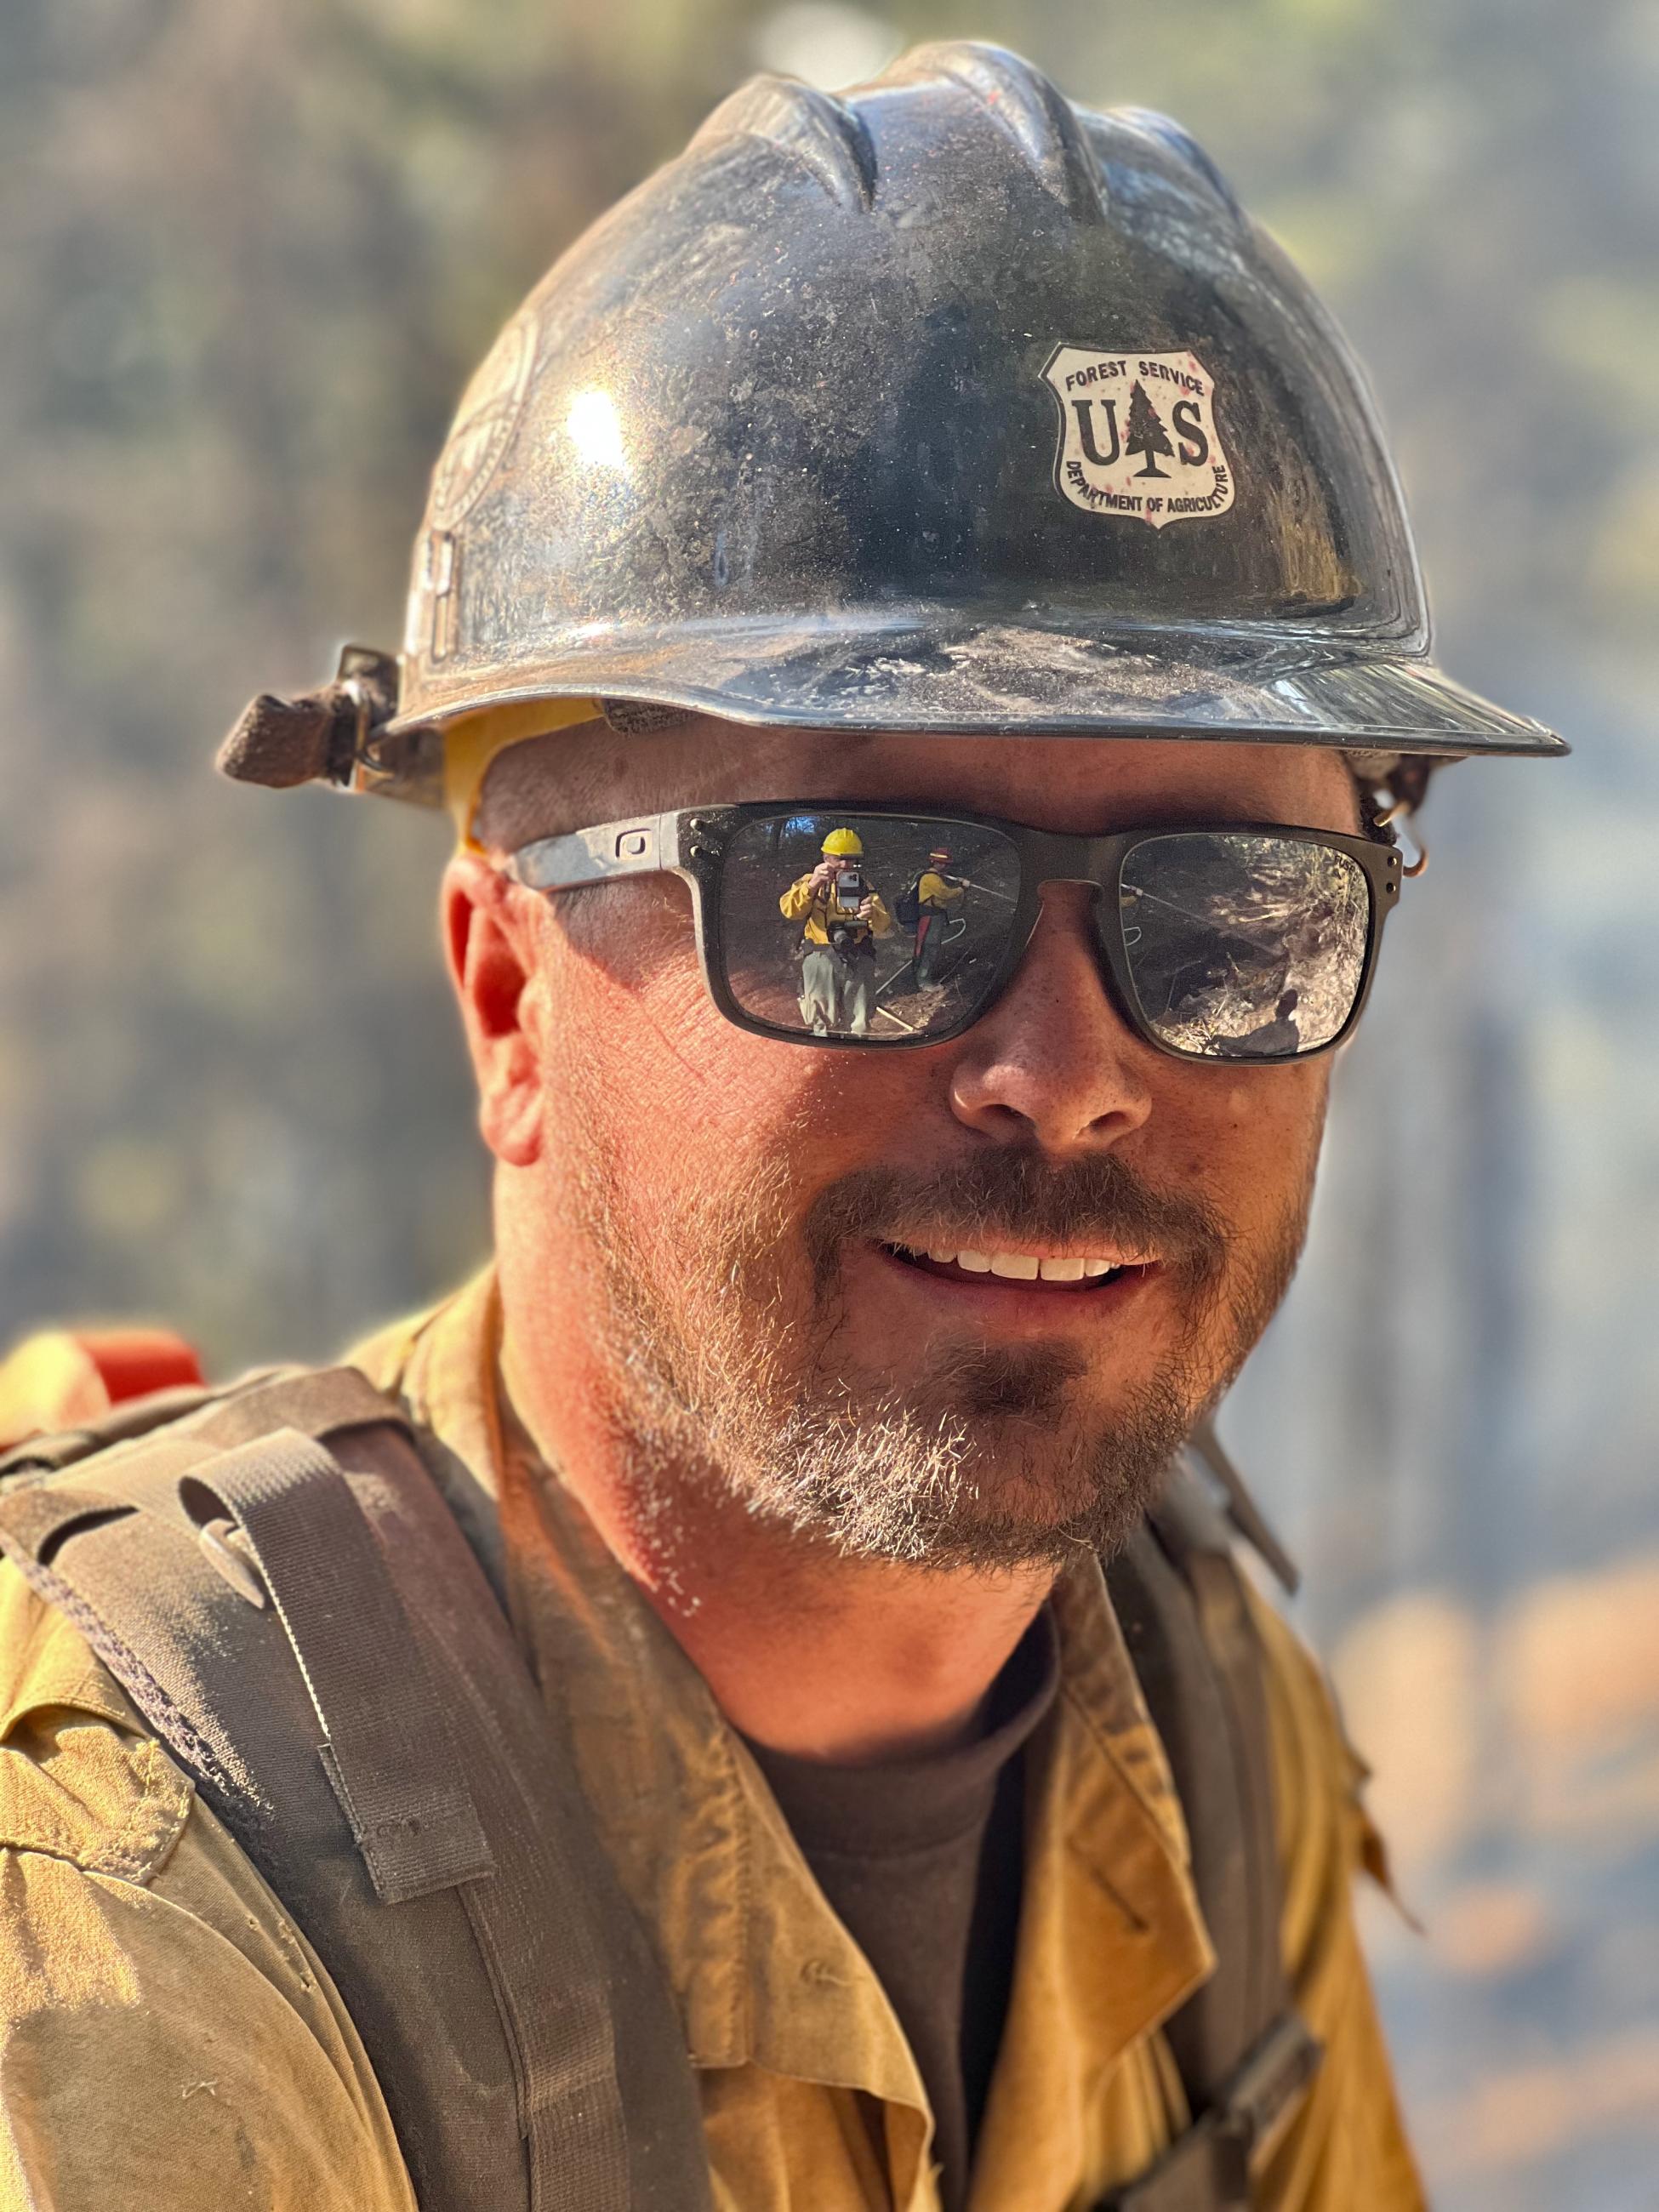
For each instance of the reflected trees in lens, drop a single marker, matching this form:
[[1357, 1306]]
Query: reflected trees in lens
[[1242, 946]]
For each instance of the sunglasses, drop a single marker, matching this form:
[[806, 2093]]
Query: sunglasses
[[877, 927]]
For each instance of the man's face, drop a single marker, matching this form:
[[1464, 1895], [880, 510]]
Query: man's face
[[739, 1229]]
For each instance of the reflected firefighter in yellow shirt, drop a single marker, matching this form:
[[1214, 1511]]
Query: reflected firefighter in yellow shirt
[[843, 916], [936, 896]]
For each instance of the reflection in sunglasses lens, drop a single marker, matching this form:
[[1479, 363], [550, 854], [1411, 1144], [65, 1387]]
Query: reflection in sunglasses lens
[[886, 928], [1244, 947]]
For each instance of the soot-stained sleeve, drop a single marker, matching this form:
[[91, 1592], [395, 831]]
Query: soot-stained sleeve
[[167, 2039]]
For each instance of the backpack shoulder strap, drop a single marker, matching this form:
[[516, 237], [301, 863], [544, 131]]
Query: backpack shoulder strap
[[277, 1585], [1244, 2056]]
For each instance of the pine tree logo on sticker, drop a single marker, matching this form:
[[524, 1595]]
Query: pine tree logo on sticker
[[1138, 436]]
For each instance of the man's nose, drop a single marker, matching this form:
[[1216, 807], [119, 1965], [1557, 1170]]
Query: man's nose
[[1054, 1063]]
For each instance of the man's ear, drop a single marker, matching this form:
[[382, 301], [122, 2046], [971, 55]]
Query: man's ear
[[490, 946]]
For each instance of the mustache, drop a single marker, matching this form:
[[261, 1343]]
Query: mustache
[[1026, 1199]]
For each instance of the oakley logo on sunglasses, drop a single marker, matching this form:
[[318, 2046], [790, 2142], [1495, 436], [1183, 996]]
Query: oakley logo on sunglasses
[[1138, 436]]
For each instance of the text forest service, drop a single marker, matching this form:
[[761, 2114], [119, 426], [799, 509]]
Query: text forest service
[[1138, 436]]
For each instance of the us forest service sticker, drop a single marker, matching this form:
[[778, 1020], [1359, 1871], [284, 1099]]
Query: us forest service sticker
[[1138, 436]]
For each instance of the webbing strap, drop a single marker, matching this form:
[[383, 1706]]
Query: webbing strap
[[320, 1401], [415, 1804], [33, 1523], [1208, 2169], [38, 1519], [1225, 1772], [1242, 1509], [264, 1597], [37, 1456], [1244, 2057], [552, 1986], [391, 1759]]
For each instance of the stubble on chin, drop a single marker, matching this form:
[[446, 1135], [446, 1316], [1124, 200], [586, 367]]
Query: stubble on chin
[[722, 1333]]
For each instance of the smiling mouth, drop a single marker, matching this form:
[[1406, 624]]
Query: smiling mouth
[[1066, 1272]]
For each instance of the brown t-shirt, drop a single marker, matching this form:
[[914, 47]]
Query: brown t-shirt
[[921, 1860]]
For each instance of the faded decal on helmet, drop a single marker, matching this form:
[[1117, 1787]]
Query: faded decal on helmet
[[483, 429], [1138, 436], [484, 423]]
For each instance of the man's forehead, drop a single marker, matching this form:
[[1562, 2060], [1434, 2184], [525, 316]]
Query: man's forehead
[[575, 778]]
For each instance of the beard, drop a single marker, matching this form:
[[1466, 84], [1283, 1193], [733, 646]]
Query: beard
[[725, 1336]]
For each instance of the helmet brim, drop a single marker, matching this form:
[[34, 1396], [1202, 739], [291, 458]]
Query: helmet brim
[[931, 669]]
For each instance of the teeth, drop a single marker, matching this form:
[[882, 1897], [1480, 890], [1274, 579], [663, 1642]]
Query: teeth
[[1022, 1266]]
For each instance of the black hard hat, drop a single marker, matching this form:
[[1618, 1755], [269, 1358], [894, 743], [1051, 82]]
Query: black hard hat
[[941, 405]]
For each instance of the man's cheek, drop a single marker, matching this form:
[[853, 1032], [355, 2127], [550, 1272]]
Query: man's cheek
[[1246, 1138], [681, 1092], [629, 934]]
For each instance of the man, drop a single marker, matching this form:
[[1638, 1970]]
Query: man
[[1278, 1039], [816, 1376], [935, 894], [843, 916]]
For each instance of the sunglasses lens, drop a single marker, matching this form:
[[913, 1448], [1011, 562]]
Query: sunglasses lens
[[1244, 947], [887, 928]]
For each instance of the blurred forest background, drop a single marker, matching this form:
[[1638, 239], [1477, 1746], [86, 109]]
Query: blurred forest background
[[250, 250]]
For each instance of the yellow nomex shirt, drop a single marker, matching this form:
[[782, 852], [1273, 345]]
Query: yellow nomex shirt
[[801, 903], [168, 2040], [933, 890]]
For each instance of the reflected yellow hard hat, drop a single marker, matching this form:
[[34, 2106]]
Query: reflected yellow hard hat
[[844, 844]]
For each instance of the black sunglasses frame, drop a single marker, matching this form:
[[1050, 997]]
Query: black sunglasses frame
[[691, 843]]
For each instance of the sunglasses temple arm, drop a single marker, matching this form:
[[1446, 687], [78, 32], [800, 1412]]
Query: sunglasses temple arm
[[645, 846]]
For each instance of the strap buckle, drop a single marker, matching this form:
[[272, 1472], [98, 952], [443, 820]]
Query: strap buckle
[[1209, 2168]]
